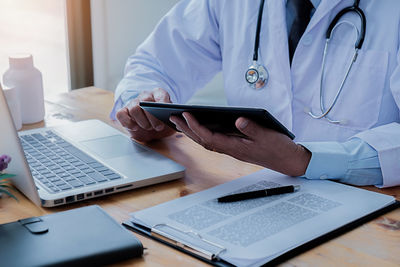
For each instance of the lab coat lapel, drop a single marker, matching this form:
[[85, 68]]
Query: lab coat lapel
[[323, 9], [278, 37], [280, 82]]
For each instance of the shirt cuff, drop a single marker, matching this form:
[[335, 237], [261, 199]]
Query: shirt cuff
[[329, 160], [385, 140]]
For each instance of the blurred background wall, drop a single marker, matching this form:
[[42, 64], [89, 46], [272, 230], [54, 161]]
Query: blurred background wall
[[36, 27], [79, 43], [118, 27]]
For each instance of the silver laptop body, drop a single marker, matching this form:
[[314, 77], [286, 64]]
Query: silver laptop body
[[78, 161]]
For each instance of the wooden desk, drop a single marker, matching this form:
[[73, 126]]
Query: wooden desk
[[376, 243]]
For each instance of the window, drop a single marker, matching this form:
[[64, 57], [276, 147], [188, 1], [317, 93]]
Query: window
[[36, 27]]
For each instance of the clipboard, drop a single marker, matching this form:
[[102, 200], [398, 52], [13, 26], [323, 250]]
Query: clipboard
[[214, 260], [238, 226], [205, 256]]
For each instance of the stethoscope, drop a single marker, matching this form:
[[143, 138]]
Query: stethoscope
[[257, 75]]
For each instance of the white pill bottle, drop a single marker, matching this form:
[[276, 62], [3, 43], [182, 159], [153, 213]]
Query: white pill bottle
[[27, 80]]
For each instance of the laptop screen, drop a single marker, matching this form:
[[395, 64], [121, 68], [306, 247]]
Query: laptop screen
[[10, 145]]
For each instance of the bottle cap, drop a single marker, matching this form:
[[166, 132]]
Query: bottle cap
[[20, 61]]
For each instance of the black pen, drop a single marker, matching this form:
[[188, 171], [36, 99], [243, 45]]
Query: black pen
[[260, 193]]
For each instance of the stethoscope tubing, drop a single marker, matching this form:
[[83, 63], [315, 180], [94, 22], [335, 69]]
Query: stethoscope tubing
[[331, 28], [258, 30], [360, 36]]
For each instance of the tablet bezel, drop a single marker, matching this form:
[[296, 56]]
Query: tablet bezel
[[216, 118]]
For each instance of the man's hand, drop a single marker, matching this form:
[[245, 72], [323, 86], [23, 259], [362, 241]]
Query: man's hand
[[262, 146], [142, 125]]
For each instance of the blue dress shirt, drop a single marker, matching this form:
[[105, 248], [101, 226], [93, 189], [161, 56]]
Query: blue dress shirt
[[352, 162]]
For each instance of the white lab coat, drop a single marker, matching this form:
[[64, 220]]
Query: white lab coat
[[181, 55]]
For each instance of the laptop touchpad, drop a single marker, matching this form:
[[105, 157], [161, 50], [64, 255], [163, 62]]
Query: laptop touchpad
[[113, 146]]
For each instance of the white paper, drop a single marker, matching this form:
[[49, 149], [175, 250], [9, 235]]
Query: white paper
[[257, 230]]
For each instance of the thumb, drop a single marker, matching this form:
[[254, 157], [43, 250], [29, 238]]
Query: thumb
[[248, 127], [160, 95]]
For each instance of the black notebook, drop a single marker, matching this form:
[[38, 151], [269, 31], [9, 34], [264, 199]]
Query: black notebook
[[80, 237]]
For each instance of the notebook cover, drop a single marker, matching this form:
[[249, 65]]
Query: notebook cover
[[85, 236]]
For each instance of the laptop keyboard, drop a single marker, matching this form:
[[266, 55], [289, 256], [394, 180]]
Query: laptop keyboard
[[60, 166]]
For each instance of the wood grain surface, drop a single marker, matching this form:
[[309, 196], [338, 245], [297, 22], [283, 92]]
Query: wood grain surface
[[376, 243]]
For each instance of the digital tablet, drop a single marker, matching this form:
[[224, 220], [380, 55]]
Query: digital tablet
[[215, 118]]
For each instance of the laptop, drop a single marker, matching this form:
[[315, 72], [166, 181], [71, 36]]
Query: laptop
[[79, 161]]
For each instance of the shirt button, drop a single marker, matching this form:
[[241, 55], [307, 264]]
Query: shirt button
[[324, 176], [307, 39]]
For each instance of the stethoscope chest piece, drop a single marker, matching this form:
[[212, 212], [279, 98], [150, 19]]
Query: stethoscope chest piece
[[257, 76]]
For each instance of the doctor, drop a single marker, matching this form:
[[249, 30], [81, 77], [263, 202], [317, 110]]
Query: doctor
[[340, 97]]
